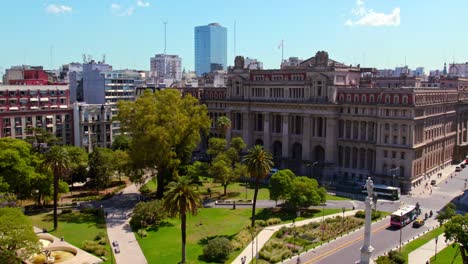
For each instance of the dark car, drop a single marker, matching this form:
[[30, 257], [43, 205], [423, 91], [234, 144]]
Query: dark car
[[462, 165], [418, 222]]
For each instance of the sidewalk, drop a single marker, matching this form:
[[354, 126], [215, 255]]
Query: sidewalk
[[118, 228], [257, 244], [423, 190], [426, 251]]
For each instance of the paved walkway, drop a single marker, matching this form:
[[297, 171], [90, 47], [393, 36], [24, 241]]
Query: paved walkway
[[426, 251], [118, 210], [257, 244]]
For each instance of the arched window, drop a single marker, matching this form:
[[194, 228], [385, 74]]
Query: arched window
[[348, 98], [356, 98], [405, 99], [371, 99], [341, 98], [364, 99], [387, 99], [396, 99]]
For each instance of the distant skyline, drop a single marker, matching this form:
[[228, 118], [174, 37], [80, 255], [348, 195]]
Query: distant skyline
[[373, 33]]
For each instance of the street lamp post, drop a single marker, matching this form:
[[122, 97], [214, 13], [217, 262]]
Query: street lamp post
[[465, 183], [252, 242], [436, 238]]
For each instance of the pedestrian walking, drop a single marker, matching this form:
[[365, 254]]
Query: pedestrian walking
[[298, 260]]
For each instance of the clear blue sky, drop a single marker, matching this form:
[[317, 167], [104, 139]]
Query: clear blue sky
[[375, 33]]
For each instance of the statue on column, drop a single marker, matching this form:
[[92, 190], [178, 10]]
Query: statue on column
[[366, 249]]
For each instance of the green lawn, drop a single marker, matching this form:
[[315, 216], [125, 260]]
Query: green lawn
[[417, 243], [331, 197], [74, 227], [449, 255], [235, 190], [164, 244]]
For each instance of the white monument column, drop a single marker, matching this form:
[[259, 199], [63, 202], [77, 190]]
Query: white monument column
[[366, 249]]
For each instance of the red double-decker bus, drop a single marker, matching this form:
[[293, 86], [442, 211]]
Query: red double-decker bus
[[404, 216]]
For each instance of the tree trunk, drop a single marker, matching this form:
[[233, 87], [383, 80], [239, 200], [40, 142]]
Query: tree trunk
[[254, 202], [183, 228], [160, 186], [56, 181], [463, 249], [225, 188]]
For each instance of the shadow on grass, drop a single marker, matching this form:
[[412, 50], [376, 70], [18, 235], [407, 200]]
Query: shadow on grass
[[207, 239], [202, 258], [284, 214], [161, 224], [77, 218]]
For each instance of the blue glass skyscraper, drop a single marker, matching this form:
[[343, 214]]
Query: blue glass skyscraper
[[210, 48]]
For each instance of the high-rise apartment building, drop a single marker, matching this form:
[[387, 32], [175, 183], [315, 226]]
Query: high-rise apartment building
[[167, 67], [210, 48]]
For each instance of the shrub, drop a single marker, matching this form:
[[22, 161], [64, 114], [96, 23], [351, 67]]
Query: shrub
[[376, 215], [94, 247], [383, 260], [261, 223], [66, 211], [142, 232], [144, 190], [100, 235], [273, 221], [241, 239], [360, 214], [396, 257], [147, 214], [281, 232], [217, 249]]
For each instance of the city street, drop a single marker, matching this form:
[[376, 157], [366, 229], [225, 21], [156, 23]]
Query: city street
[[384, 238]]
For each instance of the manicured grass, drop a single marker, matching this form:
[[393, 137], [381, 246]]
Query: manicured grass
[[164, 244], [74, 227], [331, 197], [417, 243], [450, 254], [151, 185]]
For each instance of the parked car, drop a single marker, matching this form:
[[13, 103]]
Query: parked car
[[457, 168], [418, 222], [433, 182], [462, 165]]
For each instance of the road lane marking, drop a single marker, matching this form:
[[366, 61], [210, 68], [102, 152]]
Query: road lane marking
[[342, 246]]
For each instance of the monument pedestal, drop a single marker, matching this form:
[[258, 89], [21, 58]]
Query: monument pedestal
[[366, 254]]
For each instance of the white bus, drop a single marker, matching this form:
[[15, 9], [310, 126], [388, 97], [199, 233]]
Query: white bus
[[384, 191]]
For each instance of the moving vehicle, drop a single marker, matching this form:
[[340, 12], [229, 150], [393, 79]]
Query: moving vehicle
[[418, 222], [433, 182], [404, 216], [457, 168], [462, 165], [384, 191]]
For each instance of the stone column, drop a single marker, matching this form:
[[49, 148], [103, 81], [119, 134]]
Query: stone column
[[306, 138], [366, 249], [246, 128], [266, 131], [285, 130], [330, 140]]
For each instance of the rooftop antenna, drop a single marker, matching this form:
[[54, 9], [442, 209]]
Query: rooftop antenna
[[84, 59], [165, 37], [235, 39], [103, 58]]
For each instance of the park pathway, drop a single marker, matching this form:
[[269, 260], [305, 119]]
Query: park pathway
[[426, 251], [118, 210], [262, 238]]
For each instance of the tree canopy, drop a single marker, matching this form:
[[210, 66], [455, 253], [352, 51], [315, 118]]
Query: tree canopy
[[17, 233], [166, 127], [281, 185], [457, 230], [101, 167]]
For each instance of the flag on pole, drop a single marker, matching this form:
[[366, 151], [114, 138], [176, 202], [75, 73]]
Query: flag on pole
[[280, 45]]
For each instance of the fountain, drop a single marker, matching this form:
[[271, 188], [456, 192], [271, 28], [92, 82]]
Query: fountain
[[54, 255]]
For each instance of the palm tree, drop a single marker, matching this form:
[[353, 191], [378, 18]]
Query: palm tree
[[259, 163], [57, 160], [182, 198], [223, 124]]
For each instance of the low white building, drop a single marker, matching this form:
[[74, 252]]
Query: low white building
[[92, 125]]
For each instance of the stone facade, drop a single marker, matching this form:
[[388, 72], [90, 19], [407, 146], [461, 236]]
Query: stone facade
[[342, 123]]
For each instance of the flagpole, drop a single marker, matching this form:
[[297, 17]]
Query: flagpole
[[282, 51]]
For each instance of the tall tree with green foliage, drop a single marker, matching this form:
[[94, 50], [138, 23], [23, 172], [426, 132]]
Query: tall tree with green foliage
[[221, 171], [216, 146], [40, 138], [447, 213], [306, 192], [121, 165], [223, 124], [166, 127], [181, 199], [281, 184], [101, 167], [457, 230], [121, 142], [18, 166], [58, 161], [17, 237], [259, 163], [78, 164]]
